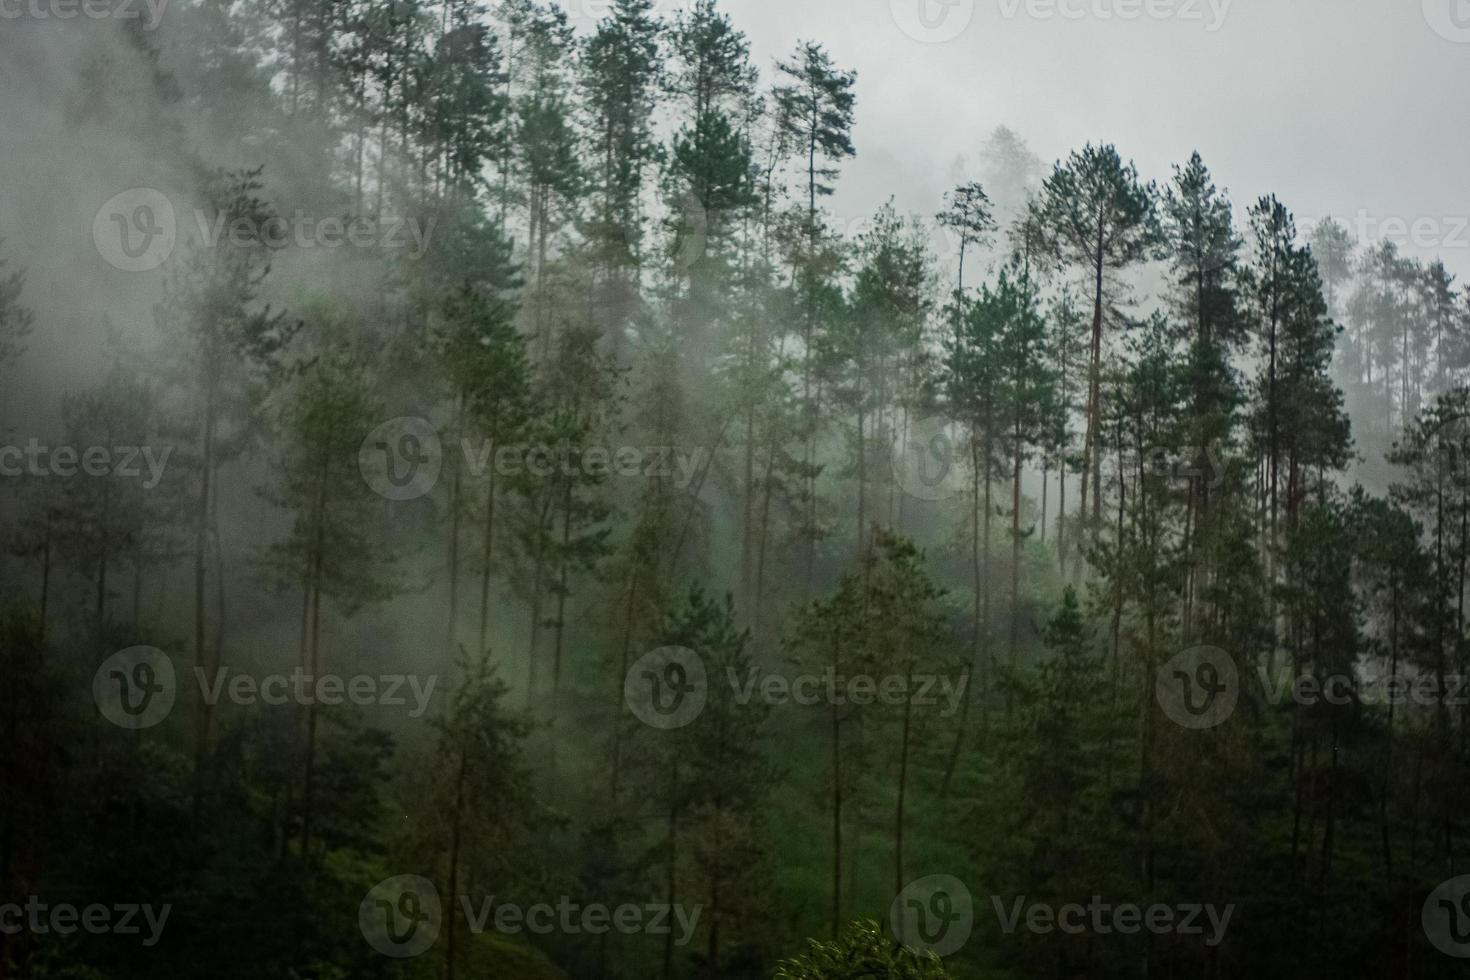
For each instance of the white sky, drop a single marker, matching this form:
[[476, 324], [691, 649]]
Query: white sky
[[1337, 106]]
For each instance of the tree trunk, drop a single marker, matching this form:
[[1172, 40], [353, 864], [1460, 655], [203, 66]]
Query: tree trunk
[[487, 548], [903, 778]]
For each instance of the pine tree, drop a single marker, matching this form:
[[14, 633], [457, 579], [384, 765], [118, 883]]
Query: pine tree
[[1011, 171], [223, 342], [726, 779], [860, 354], [1333, 246], [1098, 218], [1204, 250], [330, 551], [621, 69], [815, 105], [486, 358], [1027, 397], [972, 378], [969, 216], [482, 787]]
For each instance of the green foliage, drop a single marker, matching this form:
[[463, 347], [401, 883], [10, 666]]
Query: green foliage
[[863, 950]]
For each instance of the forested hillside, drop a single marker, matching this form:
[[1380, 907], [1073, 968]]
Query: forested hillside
[[510, 526]]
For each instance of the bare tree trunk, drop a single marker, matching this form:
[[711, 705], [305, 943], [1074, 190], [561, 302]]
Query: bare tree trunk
[[903, 778], [452, 629], [455, 829], [1094, 384], [311, 709], [201, 533], [486, 551], [536, 579], [836, 803]]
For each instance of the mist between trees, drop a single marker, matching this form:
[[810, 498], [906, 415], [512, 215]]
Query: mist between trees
[[955, 542]]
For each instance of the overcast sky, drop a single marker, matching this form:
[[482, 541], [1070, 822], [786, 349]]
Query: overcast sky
[[1344, 107], [1337, 106]]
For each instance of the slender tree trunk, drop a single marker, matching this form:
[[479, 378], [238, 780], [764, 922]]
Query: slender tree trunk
[[671, 884], [486, 553], [201, 533], [45, 571], [974, 669], [308, 796], [862, 532], [456, 823], [452, 628], [561, 591], [536, 580], [1015, 555], [903, 782], [1386, 782], [836, 802], [764, 536], [1094, 384]]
